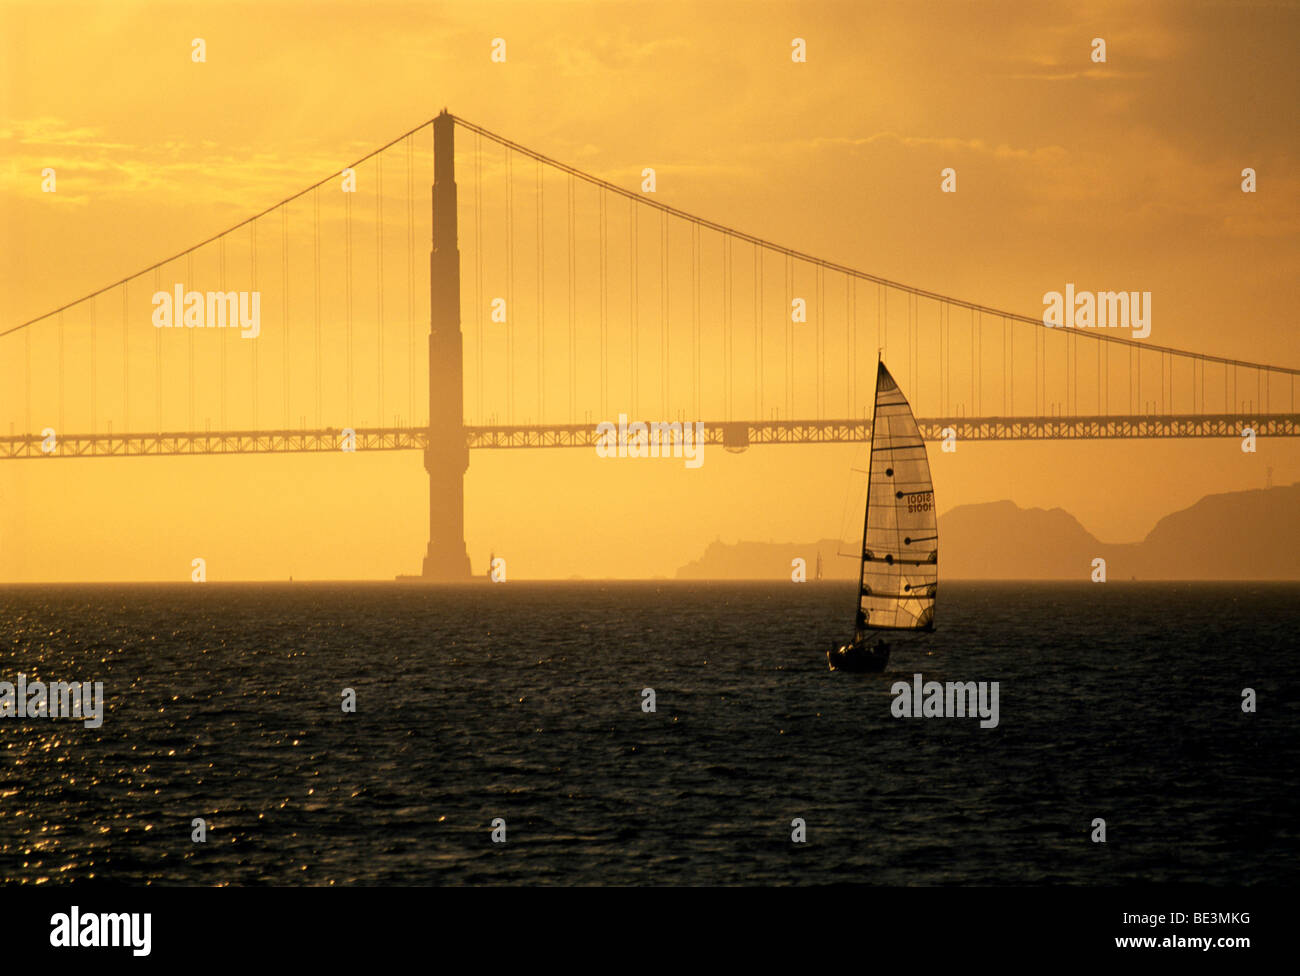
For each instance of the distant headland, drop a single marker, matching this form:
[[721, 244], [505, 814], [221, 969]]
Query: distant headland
[[1242, 535]]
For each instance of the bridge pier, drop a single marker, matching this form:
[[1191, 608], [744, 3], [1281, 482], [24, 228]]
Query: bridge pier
[[446, 458]]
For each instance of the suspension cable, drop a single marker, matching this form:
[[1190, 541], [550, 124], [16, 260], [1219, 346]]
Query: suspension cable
[[829, 265]]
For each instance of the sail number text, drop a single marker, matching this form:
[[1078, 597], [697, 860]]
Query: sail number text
[[920, 501]]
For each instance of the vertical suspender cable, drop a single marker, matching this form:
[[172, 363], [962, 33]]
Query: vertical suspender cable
[[784, 319], [316, 288], [731, 328], [943, 364], [945, 359], [284, 305], [27, 370], [61, 383], [695, 320], [819, 347], [252, 237], [1069, 369], [761, 258], [819, 286], [915, 346], [189, 339], [974, 366], [605, 307], [510, 287], [664, 347], [478, 268], [347, 236], [572, 254], [758, 406], [410, 281], [851, 288], [379, 289], [92, 368], [634, 303], [541, 295], [222, 276], [157, 357], [126, 386], [728, 364]]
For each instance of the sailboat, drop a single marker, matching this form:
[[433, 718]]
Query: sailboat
[[900, 536]]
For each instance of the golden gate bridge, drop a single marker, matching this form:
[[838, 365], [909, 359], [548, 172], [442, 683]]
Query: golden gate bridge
[[578, 299]]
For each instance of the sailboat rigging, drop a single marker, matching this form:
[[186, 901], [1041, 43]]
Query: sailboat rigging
[[899, 575]]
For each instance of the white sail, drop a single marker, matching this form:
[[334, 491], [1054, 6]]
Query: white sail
[[900, 539]]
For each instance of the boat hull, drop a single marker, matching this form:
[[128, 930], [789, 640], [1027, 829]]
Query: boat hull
[[858, 657]]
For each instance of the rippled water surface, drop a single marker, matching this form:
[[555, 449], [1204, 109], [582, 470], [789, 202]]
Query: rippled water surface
[[523, 701]]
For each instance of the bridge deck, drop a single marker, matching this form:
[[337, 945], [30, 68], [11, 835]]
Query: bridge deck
[[733, 435]]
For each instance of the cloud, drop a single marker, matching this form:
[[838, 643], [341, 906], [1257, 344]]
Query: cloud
[[50, 131], [85, 161], [946, 143], [1089, 75], [613, 52]]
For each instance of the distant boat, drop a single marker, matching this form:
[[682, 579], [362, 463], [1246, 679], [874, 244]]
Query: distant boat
[[900, 535]]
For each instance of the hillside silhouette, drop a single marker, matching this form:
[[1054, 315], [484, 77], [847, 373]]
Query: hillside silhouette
[[1242, 535]]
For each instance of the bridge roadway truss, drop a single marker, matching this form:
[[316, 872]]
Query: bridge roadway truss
[[732, 435]]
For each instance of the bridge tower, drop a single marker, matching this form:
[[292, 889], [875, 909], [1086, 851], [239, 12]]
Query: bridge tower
[[447, 456]]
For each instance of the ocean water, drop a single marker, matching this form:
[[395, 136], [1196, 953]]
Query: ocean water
[[523, 702]]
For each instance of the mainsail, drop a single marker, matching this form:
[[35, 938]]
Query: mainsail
[[900, 538]]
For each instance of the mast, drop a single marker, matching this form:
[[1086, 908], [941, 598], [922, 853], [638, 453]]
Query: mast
[[859, 620]]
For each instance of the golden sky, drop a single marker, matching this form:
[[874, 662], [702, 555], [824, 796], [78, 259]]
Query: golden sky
[[1123, 175]]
